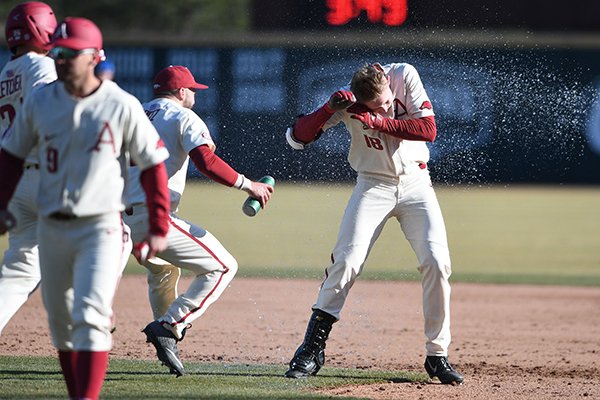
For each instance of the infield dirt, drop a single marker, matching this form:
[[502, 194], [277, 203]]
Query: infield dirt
[[510, 341]]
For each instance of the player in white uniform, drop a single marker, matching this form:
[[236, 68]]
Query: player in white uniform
[[86, 130], [28, 29], [390, 119], [189, 246]]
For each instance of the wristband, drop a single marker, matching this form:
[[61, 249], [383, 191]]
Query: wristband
[[243, 183]]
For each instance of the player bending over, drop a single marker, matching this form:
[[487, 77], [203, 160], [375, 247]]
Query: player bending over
[[390, 118]]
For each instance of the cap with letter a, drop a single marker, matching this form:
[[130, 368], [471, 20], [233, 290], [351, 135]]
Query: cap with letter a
[[175, 77], [78, 34]]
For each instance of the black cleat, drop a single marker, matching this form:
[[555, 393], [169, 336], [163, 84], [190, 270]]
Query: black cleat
[[439, 366], [166, 346], [310, 356], [305, 363]]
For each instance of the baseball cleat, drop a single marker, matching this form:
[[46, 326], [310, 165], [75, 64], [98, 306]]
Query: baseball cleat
[[166, 346], [305, 364], [310, 356], [439, 367]]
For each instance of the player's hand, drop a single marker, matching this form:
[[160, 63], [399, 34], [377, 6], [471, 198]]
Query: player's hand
[[261, 192], [7, 221], [148, 248], [369, 119], [341, 100]]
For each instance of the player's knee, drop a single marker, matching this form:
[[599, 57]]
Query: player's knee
[[231, 266], [436, 265]]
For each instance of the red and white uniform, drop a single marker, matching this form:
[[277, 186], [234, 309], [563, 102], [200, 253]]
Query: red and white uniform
[[393, 182], [84, 145], [190, 246], [20, 270]]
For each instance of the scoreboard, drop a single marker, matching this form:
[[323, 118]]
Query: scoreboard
[[369, 15]]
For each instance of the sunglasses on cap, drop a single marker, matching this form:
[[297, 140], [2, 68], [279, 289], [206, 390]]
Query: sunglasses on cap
[[64, 53]]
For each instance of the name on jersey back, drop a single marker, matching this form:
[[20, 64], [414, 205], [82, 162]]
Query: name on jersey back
[[10, 86]]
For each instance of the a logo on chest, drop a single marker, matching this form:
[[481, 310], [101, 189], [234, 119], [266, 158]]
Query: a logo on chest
[[105, 138], [399, 109]]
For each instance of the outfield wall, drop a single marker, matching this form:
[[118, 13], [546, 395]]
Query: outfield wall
[[504, 114]]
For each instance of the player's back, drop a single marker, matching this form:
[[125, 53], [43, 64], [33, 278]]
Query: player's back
[[181, 130], [18, 79]]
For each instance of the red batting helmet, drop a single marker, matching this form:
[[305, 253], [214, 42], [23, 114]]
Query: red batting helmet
[[33, 23]]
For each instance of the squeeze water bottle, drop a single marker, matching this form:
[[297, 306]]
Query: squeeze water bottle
[[251, 206]]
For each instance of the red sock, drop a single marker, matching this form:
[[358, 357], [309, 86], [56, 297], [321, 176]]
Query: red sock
[[90, 372], [67, 361]]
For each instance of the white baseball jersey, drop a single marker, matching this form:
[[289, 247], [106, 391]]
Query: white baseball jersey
[[189, 246], [18, 78], [377, 154], [96, 133], [20, 271], [181, 130], [392, 184]]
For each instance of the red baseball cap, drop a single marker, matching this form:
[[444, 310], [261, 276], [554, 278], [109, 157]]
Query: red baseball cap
[[175, 77], [78, 34]]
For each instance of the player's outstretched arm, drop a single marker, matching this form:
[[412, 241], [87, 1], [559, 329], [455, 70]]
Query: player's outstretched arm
[[307, 128], [219, 171]]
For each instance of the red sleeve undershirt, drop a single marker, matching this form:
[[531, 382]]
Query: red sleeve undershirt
[[154, 181], [308, 127], [213, 166], [12, 169], [419, 129]]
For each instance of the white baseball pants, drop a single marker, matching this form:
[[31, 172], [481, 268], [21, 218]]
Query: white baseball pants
[[81, 262], [20, 270], [189, 247], [414, 204]]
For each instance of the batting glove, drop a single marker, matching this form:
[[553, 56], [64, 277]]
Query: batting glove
[[369, 119], [341, 100]]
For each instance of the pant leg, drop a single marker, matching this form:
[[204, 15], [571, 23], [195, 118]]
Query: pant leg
[[56, 264], [96, 272], [195, 249], [367, 211], [20, 270], [81, 265], [162, 277], [422, 222], [162, 286]]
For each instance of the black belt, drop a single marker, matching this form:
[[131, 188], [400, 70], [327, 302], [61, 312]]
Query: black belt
[[60, 216], [32, 166]]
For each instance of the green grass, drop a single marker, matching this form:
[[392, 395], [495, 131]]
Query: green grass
[[40, 377], [518, 234]]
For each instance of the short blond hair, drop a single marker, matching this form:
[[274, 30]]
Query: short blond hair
[[368, 82]]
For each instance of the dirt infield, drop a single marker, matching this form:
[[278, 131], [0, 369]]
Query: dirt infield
[[510, 342]]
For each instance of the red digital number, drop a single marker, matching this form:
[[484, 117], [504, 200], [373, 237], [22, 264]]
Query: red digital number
[[388, 12]]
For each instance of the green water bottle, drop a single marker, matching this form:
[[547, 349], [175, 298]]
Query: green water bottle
[[251, 206]]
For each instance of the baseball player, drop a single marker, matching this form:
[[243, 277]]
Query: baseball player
[[189, 246], [390, 118], [87, 131], [28, 29], [105, 70]]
